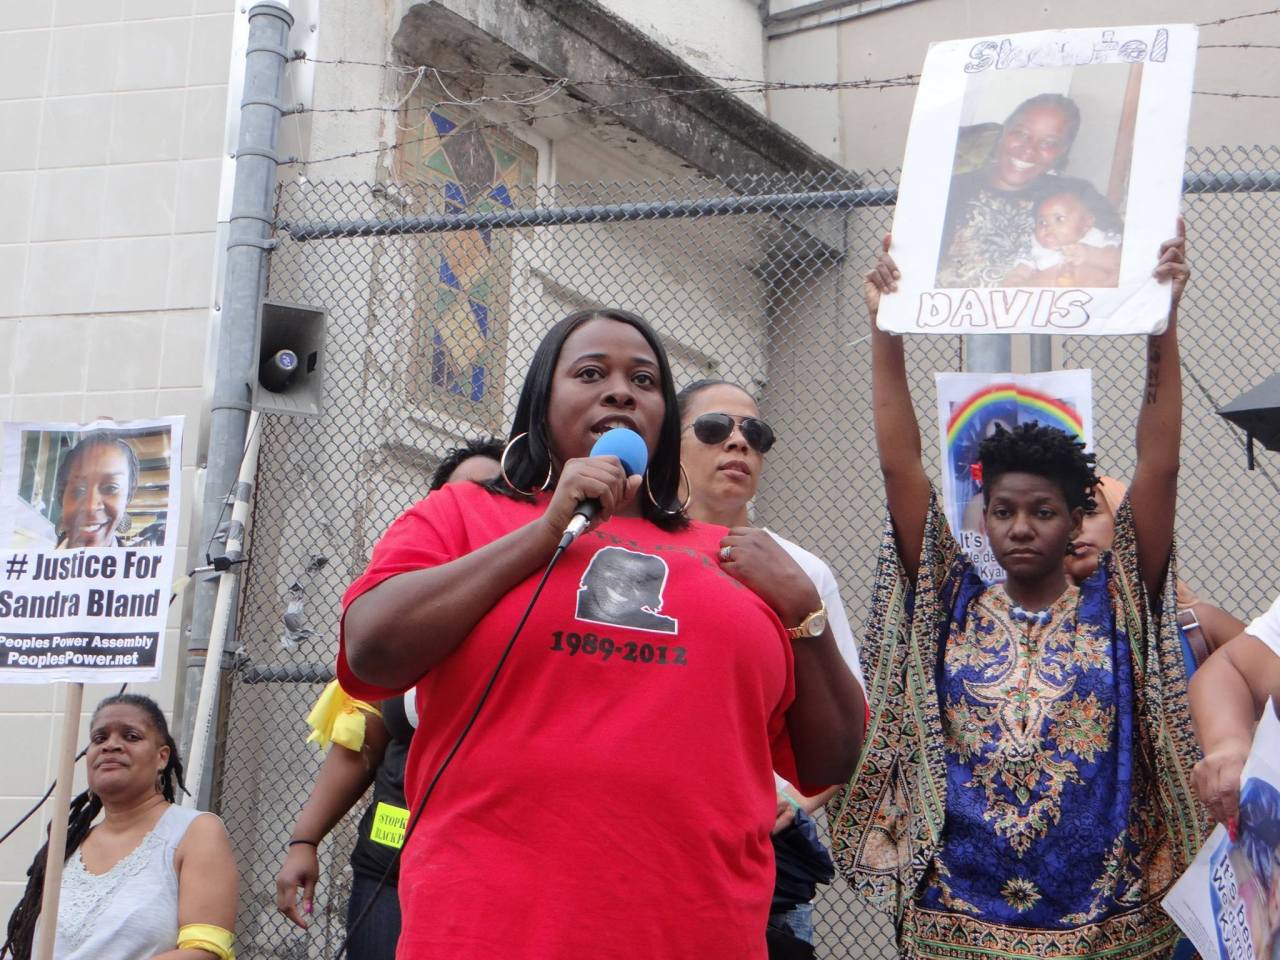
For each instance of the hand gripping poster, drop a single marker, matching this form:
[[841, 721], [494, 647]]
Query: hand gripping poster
[[1042, 173], [971, 407], [1228, 901], [88, 531]]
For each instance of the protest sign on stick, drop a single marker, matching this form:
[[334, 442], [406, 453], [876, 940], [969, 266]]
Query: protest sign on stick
[[1042, 172], [970, 408], [88, 531], [88, 537]]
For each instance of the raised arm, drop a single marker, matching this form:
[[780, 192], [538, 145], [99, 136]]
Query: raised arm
[[1154, 491], [906, 485]]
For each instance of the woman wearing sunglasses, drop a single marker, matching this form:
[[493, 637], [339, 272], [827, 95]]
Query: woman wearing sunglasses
[[722, 449]]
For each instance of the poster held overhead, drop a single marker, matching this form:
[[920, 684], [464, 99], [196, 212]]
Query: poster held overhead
[[1042, 172]]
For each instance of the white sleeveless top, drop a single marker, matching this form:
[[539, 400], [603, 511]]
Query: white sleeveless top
[[131, 911]]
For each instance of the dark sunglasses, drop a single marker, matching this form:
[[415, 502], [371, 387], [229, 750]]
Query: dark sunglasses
[[715, 428]]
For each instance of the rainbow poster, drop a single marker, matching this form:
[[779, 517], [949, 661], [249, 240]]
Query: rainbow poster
[[970, 408]]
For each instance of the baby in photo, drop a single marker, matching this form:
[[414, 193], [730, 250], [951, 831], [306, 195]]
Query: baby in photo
[[1076, 244]]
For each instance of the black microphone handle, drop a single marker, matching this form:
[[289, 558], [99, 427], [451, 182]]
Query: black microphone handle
[[582, 516]]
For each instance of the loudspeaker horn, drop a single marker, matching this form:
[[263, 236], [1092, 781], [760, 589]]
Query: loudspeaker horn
[[288, 367]]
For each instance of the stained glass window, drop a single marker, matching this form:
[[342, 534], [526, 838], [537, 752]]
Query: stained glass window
[[464, 165]]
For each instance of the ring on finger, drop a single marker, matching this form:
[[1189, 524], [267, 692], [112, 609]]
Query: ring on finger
[[726, 552]]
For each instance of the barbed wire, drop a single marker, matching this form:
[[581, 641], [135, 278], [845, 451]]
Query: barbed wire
[[533, 73], [662, 83], [1237, 95], [1240, 16], [655, 81], [532, 99], [492, 125]]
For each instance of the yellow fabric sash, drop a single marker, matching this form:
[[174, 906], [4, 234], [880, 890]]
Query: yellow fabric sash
[[338, 718], [208, 937]]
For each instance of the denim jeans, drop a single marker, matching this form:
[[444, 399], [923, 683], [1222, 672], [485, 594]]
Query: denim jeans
[[375, 938], [799, 920]]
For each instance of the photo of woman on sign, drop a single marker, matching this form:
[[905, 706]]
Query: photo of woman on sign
[[1024, 208], [95, 482], [105, 486]]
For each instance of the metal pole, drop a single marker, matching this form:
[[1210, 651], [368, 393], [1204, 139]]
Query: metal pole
[[597, 213], [1255, 181], [989, 353], [1041, 352], [247, 246], [203, 729]]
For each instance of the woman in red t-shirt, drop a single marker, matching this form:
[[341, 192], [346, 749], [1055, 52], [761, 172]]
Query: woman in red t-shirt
[[614, 796]]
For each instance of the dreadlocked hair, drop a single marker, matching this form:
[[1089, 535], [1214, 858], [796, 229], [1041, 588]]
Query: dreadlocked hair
[[85, 808], [1044, 451]]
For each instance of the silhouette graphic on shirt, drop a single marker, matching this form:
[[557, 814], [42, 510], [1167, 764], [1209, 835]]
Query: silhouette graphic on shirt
[[623, 588]]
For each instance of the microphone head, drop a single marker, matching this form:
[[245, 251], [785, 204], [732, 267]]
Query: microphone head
[[627, 445]]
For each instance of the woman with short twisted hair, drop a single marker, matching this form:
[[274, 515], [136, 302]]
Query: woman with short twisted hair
[[1025, 788], [151, 880]]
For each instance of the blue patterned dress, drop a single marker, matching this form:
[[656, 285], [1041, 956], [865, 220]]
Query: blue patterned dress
[[1025, 789]]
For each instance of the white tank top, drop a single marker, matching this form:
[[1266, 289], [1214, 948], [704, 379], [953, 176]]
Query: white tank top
[[131, 911]]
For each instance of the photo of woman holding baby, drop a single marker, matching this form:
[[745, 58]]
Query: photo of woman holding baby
[[1015, 218]]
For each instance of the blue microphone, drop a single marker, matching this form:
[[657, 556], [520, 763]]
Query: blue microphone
[[628, 446]]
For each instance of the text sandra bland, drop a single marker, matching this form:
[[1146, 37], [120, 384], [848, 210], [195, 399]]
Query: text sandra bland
[[92, 603]]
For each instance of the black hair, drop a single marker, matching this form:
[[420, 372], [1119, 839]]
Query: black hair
[[529, 461], [490, 447], [1044, 451], [693, 389], [84, 810], [1104, 215], [1069, 109], [97, 438]]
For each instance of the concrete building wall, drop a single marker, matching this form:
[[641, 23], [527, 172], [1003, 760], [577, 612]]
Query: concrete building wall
[[112, 120], [721, 38], [857, 42]]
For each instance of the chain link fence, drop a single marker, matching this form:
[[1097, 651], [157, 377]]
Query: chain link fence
[[429, 337]]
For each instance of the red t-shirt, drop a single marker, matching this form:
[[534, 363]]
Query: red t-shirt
[[610, 802]]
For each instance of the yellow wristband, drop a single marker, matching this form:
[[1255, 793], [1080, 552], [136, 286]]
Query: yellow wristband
[[206, 936]]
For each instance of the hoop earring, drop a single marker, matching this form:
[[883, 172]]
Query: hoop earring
[[687, 500], [502, 468]]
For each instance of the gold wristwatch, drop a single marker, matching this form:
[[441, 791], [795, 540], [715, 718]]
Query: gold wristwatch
[[811, 626]]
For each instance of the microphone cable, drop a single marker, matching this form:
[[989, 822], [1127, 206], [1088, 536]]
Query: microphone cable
[[453, 751]]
